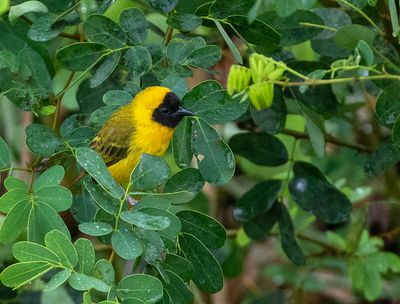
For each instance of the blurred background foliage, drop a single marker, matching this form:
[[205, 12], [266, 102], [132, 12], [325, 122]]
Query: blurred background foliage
[[311, 205]]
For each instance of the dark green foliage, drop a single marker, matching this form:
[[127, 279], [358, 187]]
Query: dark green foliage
[[328, 79]]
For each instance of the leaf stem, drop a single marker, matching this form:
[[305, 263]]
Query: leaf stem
[[330, 139], [168, 35], [324, 27], [363, 14], [15, 169]]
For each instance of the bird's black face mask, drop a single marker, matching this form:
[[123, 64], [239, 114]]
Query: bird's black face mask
[[170, 112]]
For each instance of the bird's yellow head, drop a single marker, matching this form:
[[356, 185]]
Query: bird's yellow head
[[160, 105]]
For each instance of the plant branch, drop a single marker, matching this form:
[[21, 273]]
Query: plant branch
[[364, 15], [15, 169], [59, 99], [320, 26], [168, 35], [329, 139]]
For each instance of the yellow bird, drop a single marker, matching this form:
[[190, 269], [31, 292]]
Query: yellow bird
[[145, 125]]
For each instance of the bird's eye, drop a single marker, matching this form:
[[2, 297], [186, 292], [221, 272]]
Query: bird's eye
[[165, 110]]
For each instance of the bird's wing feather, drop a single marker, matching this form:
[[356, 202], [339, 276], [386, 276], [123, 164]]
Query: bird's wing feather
[[112, 142]]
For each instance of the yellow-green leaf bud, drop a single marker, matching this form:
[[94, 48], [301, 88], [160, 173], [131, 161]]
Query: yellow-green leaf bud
[[276, 74], [261, 94], [238, 79]]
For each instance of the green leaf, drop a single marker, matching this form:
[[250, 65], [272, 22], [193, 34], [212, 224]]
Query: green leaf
[[117, 98], [213, 104], [184, 22], [95, 228], [60, 244], [145, 221], [80, 281], [258, 32], [177, 289], [284, 8], [49, 219], [387, 108], [15, 222], [176, 198], [31, 252], [208, 272], [220, 10], [273, 119], [205, 228], [366, 53], [41, 140], [204, 57], [140, 286], [178, 265], [99, 117], [20, 274], [11, 198], [126, 244], [102, 198], [25, 7], [138, 60], [176, 83], [315, 129], [258, 200], [289, 244], [59, 198], [104, 69], [51, 177], [214, 158], [349, 36], [260, 148], [229, 42], [151, 172], [134, 23], [45, 28], [181, 143], [384, 157], [165, 6], [81, 55], [104, 270], [86, 255], [58, 279], [291, 30], [153, 246], [4, 154], [186, 180], [314, 194], [173, 229], [100, 29], [95, 166], [395, 132], [14, 183], [258, 227]]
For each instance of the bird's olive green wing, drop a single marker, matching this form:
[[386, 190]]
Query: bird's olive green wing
[[112, 142]]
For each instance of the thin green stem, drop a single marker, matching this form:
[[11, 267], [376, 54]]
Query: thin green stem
[[363, 14], [285, 182], [324, 27], [121, 205], [59, 99], [316, 82]]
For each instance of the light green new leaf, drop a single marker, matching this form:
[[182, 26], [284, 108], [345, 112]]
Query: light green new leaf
[[80, 281], [15, 222], [51, 177], [95, 228], [126, 244], [145, 221]]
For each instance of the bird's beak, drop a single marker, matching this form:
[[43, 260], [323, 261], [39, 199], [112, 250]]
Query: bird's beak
[[184, 112]]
